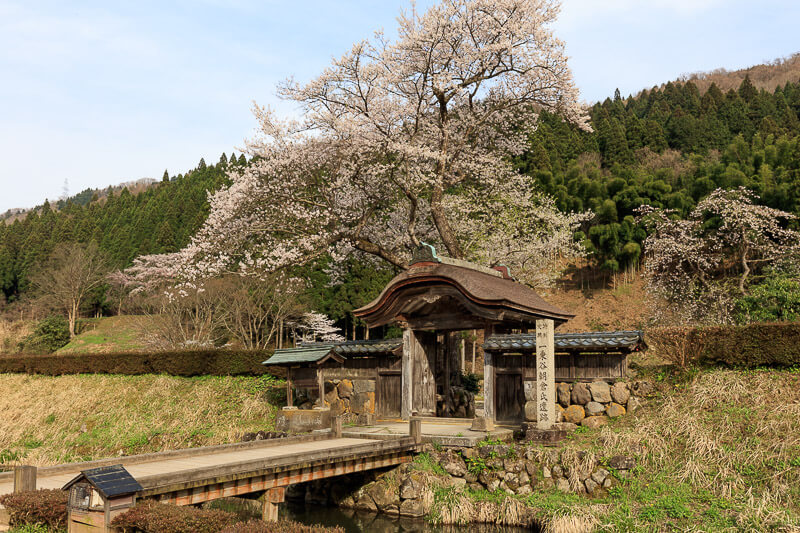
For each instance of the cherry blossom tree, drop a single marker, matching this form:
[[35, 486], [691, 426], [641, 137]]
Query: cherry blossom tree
[[315, 327], [697, 266], [398, 142]]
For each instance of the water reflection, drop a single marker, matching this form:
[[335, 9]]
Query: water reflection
[[356, 522]]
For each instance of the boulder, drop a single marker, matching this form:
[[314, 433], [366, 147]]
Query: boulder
[[641, 388], [524, 490], [590, 485], [363, 402], [530, 391], [557, 471], [599, 475], [383, 495], [363, 385], [593, 422], [345, 388], [530, 411], [574, 414], [562, 485], [601, 392], [411, 488], [581, 394], [454, 465], [621, 462], [566, 426], [614, 410], [412, 508], [559, 413], [563, 393], [620, 392], [338, 407], [633, 404], [594, 409]]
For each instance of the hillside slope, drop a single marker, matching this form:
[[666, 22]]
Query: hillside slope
[[51, 420]]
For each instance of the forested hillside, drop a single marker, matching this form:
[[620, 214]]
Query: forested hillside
[[668, 147]]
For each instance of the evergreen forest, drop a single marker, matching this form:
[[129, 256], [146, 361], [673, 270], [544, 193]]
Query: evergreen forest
[[667, 147]]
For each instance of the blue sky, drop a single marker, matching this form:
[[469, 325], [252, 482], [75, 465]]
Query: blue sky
[[98, 93]]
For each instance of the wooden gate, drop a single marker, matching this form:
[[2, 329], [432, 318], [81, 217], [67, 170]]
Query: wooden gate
[[509, 389], [389, 394]]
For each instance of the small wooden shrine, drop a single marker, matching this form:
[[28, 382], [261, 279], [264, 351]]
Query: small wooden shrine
[[98, 495]]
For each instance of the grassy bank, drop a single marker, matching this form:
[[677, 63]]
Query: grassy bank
[[51, 420], [716, 451]]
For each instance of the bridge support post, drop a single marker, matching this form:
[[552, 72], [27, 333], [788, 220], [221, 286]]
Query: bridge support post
[[272, 498], [336, 427], [415, 429], [24, 478]]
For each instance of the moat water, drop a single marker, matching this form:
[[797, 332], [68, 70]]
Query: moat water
[[356, 522]]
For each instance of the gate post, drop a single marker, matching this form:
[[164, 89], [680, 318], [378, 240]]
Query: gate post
[[24, 478]]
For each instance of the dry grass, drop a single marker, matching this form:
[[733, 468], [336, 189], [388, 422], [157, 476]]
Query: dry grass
[[12, 333], [50, 420]]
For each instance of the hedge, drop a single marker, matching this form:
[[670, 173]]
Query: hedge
[[47, 507], [152, 517], [175, 363], [753, 345]]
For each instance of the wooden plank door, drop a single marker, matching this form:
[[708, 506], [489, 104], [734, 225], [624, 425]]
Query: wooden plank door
[[389, 394]]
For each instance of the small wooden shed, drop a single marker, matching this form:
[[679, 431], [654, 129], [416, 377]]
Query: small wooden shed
[[98, 495]]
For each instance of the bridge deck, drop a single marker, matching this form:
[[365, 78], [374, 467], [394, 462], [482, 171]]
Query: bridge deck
[[220, 456]]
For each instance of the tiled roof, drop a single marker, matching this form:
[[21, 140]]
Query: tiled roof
[[314, 352], [110, 481], [371, 347], [303, 354], [600, 341]]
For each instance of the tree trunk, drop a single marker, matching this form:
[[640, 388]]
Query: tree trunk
[[443, 225]]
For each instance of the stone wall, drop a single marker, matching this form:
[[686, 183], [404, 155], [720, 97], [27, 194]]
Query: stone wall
[[590, 404], [350, 398], [408, 490]]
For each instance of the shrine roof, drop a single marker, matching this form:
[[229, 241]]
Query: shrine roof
[[597, 341]]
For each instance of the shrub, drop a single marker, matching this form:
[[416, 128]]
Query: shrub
[[50, 334], [46, 507], [152, 517], [753, 345], [184, 363], [259, 526], [776, 299], [471, 382]]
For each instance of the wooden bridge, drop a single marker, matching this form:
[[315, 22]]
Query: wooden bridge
[[198, 475]]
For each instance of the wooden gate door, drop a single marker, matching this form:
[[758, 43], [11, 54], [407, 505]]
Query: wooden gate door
[[389, 394], [509, 391]]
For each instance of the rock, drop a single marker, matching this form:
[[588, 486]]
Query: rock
[[594, 422], [524, 478], [590, 485], [594, 409], [345, 388], [458, 482], [383, 495], [620, 392], [524, 490], [563, 394], [559, 413], [363, 402], [562, 485], [513, 465], [621, 462], [511, 480], [530, 411], [599, 475], [412, 508], [411, 487], [454, 465], [363, 385], [547, 473], [633, 404], [557, 471], [365, 503], [607, 483], [601, 392], [581, 394], [530, 391], [574, 414], [614, 410], [642, 388], [338, 407], [566, 426]]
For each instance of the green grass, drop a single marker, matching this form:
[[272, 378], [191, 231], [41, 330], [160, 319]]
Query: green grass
[[109, 334]]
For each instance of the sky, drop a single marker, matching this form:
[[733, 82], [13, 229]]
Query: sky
[[95, 93]]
